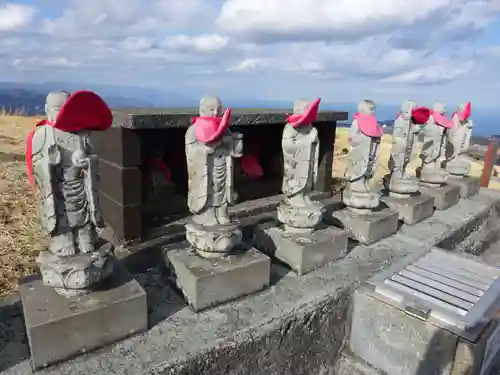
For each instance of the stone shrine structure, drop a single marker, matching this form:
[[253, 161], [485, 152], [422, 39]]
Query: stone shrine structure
[[402, 187], [220, 258], [126, 151], [366, 219], [431, 174], [78, 264], [298, 240], [458, 142]]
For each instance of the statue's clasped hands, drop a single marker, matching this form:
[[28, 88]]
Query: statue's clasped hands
[[80, 159]]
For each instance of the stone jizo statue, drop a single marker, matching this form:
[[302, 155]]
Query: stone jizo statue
[[458, 142], [435, 130], [63, 172], [364, 150], [210, 149], [300, 144], [407, 126]]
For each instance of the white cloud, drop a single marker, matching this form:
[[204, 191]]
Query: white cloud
[[434, 73], [38, 64], [320, 19], [200, 43], [114, 18], [14, 16]]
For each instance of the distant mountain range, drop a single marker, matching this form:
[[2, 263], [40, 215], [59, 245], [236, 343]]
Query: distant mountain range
[[32, 102], [30, 98]]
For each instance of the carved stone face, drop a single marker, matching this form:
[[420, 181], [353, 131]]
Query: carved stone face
[[300, 106], [54, 102], [407, 104], [366, 107], [439, 107], [210, 106]]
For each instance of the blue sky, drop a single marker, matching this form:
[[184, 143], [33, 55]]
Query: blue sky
[[341, 50]]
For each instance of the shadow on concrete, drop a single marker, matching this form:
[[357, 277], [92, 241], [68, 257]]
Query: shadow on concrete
[[148, 269], [466, 360], [14, 347], [163, 299]]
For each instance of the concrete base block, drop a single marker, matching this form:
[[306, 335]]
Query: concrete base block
[[209, 282], [413, 209], [390, 340], [367, 228], [59, 328], [444, 196], [302, 252], [401, 344], [469, 186]]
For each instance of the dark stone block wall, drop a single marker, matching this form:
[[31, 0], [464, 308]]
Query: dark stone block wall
[[137, 135]]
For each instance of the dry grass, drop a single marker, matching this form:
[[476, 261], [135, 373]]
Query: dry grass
[[20, 234]]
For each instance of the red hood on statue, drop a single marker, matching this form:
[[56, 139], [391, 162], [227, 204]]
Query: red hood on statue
[[442, 120], [368, 125], [209, 129], [83, 110], [306, 118], [464, 115]]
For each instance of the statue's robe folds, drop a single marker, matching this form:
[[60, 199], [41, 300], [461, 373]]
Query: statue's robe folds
[[363, 154], [210, 171], [300, 155], [458, 138], [66, 190], [403, 142], [434, 138]]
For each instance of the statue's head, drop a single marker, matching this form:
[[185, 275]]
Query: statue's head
[[407, 105], [366, 107], [54, 103], [300, 106], [210, 106], [439, 107]]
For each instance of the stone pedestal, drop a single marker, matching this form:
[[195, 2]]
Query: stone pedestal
[[59, 328], [411, 209], [469, 186], [209, 282], [302, 252], [366, 227], [444, 196]]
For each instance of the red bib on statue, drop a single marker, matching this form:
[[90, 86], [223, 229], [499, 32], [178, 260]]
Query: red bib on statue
[[368, 125], [309, 115], [208, 129]]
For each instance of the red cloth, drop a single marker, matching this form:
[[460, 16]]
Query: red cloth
[[83, 110], [420, 115], [442, 120], [251, 166], [368, 125], [162, 166], [465, 114], [305, 118], [208, 129]]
